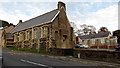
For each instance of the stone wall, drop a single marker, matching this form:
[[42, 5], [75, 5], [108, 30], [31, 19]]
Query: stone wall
[[99, 55], [61, 52]]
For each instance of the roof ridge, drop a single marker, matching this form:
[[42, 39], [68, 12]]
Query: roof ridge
[[97, 33], [35, 21]]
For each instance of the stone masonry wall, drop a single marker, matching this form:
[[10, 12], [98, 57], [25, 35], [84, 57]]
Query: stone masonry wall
[[99, 55]]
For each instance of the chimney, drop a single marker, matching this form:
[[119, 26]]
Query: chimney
[[20, 21], [61, 4]]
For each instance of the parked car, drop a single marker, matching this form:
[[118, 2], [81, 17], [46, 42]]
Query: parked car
[[81, 46]]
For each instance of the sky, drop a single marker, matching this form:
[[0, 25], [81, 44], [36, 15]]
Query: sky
[[91, 12]]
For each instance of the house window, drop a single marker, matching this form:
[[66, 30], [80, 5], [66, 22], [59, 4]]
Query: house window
[[115, 39], [64, 37], [106, 40], [111, 42], [15, 38], [21, 36], [88, 42], [85, 42], [29, 35], [35, 33], [102, 40], [114, 42], [45, 31], [93, 41], [38, 33], [56, 35]]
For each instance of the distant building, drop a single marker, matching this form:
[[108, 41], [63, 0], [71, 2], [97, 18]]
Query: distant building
[[6, 37], [52, 29], [101, 40]]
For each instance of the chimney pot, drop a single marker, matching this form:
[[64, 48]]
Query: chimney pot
[[20, 21]]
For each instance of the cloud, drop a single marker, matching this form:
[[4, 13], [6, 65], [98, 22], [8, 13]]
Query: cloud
[[12, 16], [59, 0], [28, 0], [107, 17], [24, 12]]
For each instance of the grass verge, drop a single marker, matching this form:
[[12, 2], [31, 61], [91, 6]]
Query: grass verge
[[29, 50]]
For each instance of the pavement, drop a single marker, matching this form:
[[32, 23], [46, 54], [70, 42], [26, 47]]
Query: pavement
[[20, 58]]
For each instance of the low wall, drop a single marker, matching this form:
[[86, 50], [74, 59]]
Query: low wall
[[103, 47], [99, 55], [61, 52]]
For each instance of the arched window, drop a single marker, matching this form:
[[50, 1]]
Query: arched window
[[45, 31]]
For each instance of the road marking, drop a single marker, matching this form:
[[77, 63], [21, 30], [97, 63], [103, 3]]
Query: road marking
[[35, 63]]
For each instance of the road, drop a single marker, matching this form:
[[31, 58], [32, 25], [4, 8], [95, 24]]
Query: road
[[20, 58]]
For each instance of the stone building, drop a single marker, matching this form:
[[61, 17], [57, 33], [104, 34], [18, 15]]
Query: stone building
[[6, 38], [101, 40], [50, 30]]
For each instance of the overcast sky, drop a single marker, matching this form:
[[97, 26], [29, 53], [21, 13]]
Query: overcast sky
[[91, 12]]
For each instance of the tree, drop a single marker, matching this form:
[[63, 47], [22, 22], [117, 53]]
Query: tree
[[103, 29], [116, 33], [74, 25], [86, 30], [5, 23]]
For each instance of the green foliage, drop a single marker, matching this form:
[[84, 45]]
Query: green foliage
[[5, 23], [116, 33], [29, 50]]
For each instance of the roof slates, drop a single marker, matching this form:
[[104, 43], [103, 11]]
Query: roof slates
[[94, 36], [42, 19]]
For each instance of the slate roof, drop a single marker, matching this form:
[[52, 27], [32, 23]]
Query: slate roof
[[8, 28], [42, 19], [106, 34]]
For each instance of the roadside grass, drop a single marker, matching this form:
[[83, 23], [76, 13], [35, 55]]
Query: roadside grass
[[29, 50]]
